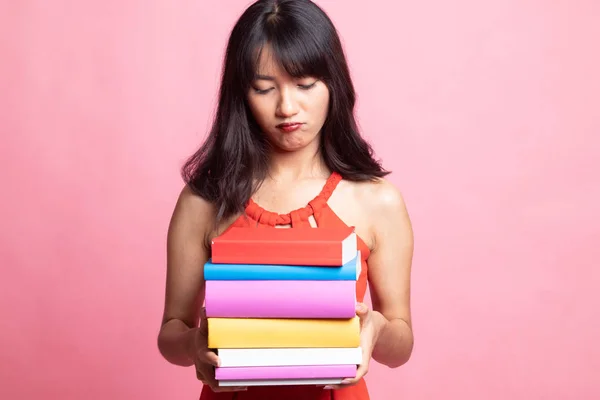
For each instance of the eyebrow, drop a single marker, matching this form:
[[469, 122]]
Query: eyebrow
[[265, 77]]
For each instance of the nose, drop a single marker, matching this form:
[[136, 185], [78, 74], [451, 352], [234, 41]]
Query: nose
[[287, 105]]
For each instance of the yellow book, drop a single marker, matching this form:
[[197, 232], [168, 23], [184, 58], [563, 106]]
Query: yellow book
[[228, 333]]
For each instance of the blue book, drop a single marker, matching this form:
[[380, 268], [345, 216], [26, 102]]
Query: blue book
[[233, 272]]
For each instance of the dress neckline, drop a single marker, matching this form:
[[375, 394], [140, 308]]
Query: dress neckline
[[258, 213]]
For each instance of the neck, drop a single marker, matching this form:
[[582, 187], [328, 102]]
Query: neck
[[295, 165]]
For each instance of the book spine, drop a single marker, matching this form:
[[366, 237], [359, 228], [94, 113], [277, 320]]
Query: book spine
[[280, 382], [281, 332], [289, 357], [281, 299], [286, 253], [213, 271], [282, 372]]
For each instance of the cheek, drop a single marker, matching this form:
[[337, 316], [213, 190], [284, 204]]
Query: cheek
[[322, 105], [258, 109]]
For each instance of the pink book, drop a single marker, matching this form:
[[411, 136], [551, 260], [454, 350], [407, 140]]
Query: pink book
[[287, 372], [280, 299]]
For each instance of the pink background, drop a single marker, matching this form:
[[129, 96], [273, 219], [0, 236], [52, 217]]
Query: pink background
[[487, 112]]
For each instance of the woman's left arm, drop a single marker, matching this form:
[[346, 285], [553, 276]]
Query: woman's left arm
[[386, 330], [389, 276]]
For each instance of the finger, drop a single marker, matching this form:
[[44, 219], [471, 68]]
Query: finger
[[207, 373], [334, 387], [215, 387], [361, 371], [200, 376], [210, 382], [203, 322], [209, 357], [361, 308], [362, 311], [208, 378], [218, 388], [203, 327]]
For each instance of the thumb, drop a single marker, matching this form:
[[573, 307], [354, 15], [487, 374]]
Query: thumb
[[203, 322], [362, 310], [202, 313]]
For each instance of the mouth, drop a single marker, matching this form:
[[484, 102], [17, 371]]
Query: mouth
[[289, 126]]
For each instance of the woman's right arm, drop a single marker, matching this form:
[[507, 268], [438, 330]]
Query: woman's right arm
[[183, 337], [187, 251]]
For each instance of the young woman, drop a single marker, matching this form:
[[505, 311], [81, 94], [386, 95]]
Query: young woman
[[285, 152]]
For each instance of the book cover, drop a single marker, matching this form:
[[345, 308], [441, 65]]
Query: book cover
[[279, 332], [349, 271], [281, 299], [309, 246], [288, 372]]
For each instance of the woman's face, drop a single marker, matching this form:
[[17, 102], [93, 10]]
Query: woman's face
[[290, 111]]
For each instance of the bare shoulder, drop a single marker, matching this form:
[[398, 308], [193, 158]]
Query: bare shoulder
[[190, 202], [379, 198], [374, 207], [193, 215], [382, 195], [196, 217], [386, 207]]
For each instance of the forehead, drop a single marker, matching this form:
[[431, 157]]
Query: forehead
[[267, 63]]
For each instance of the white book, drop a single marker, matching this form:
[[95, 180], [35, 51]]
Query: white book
[[262, 357], [281, 382]]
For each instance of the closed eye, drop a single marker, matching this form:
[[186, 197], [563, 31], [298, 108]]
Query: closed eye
[[262, 91], [306, 87]]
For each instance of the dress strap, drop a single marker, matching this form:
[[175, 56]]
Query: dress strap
[[318, 202]]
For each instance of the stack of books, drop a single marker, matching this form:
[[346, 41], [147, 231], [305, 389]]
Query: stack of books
[[280, 306]]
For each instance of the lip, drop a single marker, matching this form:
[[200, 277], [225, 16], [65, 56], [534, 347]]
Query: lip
[[289, 126]]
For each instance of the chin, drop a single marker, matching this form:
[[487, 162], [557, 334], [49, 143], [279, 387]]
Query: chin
[[291, 144], [290, 148]]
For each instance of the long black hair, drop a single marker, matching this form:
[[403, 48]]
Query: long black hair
[[233, 161]]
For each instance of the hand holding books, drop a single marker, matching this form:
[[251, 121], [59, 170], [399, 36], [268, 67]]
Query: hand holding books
[[205, 359], [371, 323]]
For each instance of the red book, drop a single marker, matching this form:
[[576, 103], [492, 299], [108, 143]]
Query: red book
[[285, 246]]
